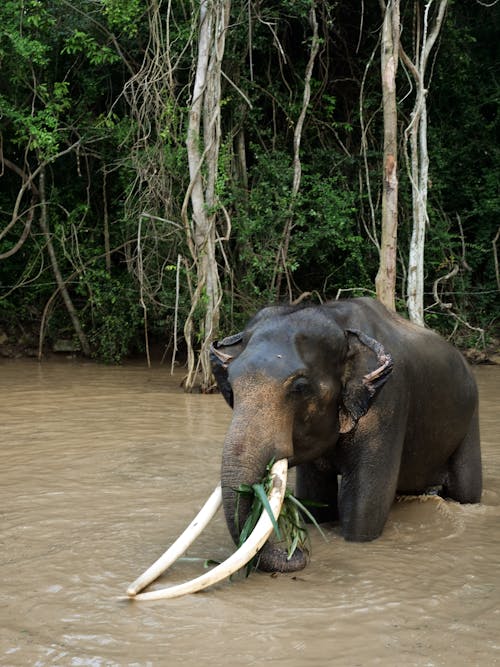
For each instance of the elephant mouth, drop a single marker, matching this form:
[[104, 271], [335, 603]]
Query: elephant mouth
[[236, 561]]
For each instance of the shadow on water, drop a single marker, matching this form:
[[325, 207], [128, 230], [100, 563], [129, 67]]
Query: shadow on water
[[101, 468]]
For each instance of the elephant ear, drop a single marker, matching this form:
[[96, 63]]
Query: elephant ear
[[221, 354], [367, 368]]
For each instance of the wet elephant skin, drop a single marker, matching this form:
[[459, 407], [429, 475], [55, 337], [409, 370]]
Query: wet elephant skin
[[347, 390]]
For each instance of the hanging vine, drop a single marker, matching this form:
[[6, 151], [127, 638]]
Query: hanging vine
[[203, 142], [282, 254]]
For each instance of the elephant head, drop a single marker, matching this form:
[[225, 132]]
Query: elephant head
[[296, 380]]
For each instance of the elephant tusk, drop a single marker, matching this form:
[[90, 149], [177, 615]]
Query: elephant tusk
[[244, 554], [182, 543]]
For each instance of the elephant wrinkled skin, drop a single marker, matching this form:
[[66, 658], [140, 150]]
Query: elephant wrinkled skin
[[346, 390]]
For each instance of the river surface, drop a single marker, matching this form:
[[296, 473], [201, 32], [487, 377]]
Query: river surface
[[102, 467]]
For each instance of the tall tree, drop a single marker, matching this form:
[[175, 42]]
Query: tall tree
[[203, 157], [386, 277], [418, 162]]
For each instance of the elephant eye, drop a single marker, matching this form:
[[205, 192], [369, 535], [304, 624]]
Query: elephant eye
[[300, 386]]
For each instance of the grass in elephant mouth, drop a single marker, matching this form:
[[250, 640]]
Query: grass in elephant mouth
[[290, 527]]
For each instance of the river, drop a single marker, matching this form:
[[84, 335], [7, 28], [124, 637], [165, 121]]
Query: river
[[102, 467]]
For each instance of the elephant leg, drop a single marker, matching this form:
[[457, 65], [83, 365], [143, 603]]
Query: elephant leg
[[464, 479], [318, 483], [369, 480], [364, 505]]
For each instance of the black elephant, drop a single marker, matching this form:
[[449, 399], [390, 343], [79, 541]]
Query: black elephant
[[346, 390]]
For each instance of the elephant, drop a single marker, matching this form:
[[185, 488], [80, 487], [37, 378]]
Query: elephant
[[365, 405]]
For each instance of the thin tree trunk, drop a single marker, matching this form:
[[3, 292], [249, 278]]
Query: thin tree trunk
[[495, 257], [418, 163], [105, 220], [44, 224], [385, 281], [241, 161], [415, 285]]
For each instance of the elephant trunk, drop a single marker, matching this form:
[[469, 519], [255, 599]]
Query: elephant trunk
[[243, 462], [257, 434]]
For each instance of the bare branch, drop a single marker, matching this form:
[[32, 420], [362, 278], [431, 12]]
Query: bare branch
[[428, 41], [27, 183], [495, 257], [55, 267], [372, 234], [447, 307], [238, 90], [281, 257], [27, 227]]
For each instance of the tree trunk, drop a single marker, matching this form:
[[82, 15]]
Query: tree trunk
[[105, 219], [418, 163], [201, 231], [385, 281], [55, 268]]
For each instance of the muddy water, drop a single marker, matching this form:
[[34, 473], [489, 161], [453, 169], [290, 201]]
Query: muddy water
[[101, 468]]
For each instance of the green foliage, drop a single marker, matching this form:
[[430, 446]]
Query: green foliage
[[326, 249], [123, 14], [289, 528], [112, 314], [68, 73], [22, 23], [464, 199], [82, 42], [39, 128]]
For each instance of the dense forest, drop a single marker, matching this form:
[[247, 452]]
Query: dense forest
[[146, 207]]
